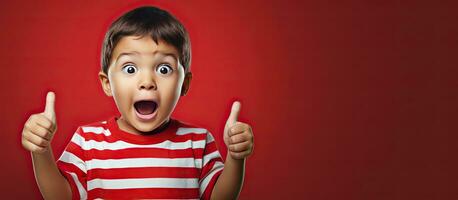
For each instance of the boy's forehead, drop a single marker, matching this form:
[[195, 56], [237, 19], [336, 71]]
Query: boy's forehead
[[134, 45]]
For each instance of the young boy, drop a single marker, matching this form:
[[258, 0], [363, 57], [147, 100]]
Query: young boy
[[143, 153]]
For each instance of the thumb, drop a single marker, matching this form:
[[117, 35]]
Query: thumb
[[235, 110], [49, 109]]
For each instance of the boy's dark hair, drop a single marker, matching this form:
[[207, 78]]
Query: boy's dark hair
[[148, 21]]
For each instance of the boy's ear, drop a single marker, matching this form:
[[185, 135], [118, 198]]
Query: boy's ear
[[105, 84], [186, 83]]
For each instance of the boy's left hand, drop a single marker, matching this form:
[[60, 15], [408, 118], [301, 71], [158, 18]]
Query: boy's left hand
[[238, 136]]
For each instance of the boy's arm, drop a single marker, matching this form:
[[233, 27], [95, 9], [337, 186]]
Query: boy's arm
[[239, 140], [36, 137], [229, 183], [49, 179]]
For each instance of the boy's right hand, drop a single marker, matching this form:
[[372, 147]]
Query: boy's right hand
[[40, 128]]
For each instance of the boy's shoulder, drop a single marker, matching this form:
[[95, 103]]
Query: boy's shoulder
[[185, 127], [184, 124], [100, 123], [96, 123], [98, 127]]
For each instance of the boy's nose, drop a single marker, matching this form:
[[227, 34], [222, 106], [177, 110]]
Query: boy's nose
[[147, 83]]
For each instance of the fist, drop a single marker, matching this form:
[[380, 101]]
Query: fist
[[39, 129], [238, 136]]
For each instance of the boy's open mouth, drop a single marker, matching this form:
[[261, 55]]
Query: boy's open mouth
[[145, 108]]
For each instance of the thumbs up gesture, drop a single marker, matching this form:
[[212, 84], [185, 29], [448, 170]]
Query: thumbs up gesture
[[39, 129], [238, 136]]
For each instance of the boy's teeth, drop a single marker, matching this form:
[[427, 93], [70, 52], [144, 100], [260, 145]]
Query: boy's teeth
[[145, 107]]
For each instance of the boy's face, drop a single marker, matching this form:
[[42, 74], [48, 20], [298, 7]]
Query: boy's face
[[146, 80]]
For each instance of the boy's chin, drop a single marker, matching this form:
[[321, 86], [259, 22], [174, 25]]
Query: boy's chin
[[145, 127]]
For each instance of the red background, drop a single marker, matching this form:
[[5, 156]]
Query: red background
[[347, 100]]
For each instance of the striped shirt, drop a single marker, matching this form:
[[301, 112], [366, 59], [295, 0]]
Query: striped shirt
[[104, 162]]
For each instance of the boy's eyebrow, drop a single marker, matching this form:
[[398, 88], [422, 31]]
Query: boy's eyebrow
[[126, 54], [136, 53]]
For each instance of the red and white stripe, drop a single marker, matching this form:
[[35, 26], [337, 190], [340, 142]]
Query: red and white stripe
[[99, 165]]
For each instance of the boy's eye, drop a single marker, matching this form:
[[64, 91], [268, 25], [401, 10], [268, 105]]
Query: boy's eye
[[164, 69], [130, 69]]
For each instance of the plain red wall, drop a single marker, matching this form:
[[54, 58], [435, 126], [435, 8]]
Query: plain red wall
[[347, 100]]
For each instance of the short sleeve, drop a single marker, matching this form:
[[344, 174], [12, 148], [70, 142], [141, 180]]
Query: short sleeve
[[212, 167], [72, 165]]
